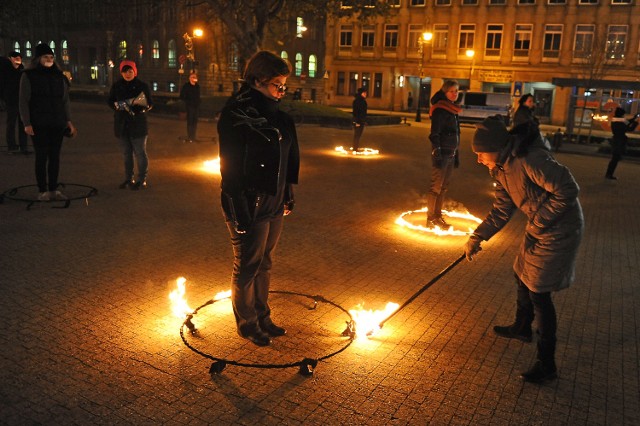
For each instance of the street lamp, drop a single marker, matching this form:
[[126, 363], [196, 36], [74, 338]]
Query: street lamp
[[471, 55], [188, 44], [425, 38]]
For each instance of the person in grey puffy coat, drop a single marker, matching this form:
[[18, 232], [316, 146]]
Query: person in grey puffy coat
[[528, 178]]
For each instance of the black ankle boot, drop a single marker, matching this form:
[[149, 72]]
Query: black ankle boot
[[514, 331], [541, 372]]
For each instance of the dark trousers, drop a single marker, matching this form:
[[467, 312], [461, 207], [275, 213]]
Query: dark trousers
[[47, 143], [440, 178], [192, 122], [253, 255], [357, 134], [532, 305], [12, 118], [615, 157]]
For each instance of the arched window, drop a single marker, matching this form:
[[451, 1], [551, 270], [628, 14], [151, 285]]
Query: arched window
[[313, 65], [52, 45], [171, 54], [64, 45], [284, 55], [155, 50], [16, 46], [298, 70], [27, 49], [122, 49], [140, 50]]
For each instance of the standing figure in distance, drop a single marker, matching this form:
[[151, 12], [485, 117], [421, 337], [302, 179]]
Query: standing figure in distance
[[44, 109], [528, 178], [619, 127], [410, 101], [524, 113], [259, 163], [359, 112], [190, 94], [9, 92], [130, 122], [445, 141]]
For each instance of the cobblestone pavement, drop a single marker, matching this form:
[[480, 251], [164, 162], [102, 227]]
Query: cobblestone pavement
[[87, 335]]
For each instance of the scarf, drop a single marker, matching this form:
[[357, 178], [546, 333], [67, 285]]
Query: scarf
[[445, 105]]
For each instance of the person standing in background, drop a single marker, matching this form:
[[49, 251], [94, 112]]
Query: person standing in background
[[359, 111], [190, 94], [619, 127], [10, 93], [44, 109], [524, 113]]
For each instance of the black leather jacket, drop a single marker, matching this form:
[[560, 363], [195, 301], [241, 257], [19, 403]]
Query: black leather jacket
[[445, 128], [256, 174]]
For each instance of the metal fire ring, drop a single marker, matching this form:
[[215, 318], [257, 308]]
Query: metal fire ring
[[14, 194], [306, 365]]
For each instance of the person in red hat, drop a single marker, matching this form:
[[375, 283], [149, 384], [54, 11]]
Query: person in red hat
[[130, 99]]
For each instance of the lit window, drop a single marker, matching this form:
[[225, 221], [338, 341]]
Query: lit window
[[122, 49], [171, 53], [298, 69], [155, 50], [313, 65]]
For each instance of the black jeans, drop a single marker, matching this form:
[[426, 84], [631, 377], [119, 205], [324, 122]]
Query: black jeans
[[615, 157], [253, 254], [192, 122], [47, 143], [357, 134], [440, 178], [12, 118], [532, 305]]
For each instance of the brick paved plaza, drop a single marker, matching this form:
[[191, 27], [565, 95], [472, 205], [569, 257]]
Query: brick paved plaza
[[87, 335]]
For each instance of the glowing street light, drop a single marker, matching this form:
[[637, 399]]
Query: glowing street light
[[188, 44], [425, 38], [471, 55]]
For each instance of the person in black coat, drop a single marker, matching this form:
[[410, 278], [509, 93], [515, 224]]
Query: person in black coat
[[190, 94], [130, 99], [619, 127], [359, 111], [524, 113], [259, 163], [445, 141], [44, 109], [10, 73]]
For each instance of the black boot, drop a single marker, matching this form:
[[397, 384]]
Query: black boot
[[514, 331], [253, 333], [271, 329], [541, 372]]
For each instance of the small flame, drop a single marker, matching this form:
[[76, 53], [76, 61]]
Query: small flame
[[212, 166], [368, 322], [222, 295], [179, 305], [437, 230], [360, 151]]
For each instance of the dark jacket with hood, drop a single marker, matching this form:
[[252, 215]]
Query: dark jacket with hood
[[528, 178], [359, 109], [524, 114], [44, 97], [259, 158], [10, 81], [132, 123], [619, 128], [445, 128]]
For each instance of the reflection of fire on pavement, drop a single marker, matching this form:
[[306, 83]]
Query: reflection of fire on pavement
[[459, 218], [359, 151], [212, 166]]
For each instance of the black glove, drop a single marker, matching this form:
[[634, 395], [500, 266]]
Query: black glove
[[472, 247], [456, 160], [436, 157]]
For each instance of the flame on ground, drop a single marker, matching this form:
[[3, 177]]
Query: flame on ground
[[222, 295], [437, 230], [212, 166], [367, 322], [360, 151], [179, 305]]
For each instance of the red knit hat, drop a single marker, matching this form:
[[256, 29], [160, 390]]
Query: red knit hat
[[131, 64]]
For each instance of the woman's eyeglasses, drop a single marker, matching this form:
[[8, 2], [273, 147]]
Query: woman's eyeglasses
[[279, 87]]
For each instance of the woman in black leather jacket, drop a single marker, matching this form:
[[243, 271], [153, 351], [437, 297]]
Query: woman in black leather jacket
[[259, 162]]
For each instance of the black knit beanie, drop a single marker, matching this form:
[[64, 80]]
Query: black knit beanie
[[43, 49], [491, 135]]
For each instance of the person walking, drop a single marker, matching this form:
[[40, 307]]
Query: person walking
[[44, 110], [10, 73], [445, 141], [619, 128], [259, 163], [524, 113], [359, 112], [190, 94], [130, 99], [528, 178]]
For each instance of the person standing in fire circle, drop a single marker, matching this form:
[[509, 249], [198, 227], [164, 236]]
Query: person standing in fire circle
[[528, 178], [44, 109], [359, 112], [130, 122], [259, 163], [190, 95], [445, 140]]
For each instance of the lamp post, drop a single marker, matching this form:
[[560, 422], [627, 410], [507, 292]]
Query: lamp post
[[188, 44], [425, 38], [471, 55]]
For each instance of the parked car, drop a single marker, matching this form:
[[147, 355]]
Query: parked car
[[476, 106]]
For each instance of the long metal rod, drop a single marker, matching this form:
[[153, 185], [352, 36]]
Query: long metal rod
[[424, 287]]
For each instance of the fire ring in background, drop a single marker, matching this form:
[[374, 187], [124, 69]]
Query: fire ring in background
[[29, 195], [360, 152], [459, 218], [307, 305]]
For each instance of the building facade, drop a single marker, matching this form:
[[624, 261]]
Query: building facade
[[559, 50]]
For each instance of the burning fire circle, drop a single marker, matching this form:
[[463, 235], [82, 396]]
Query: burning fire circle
[[458, 217], [306, 365]]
